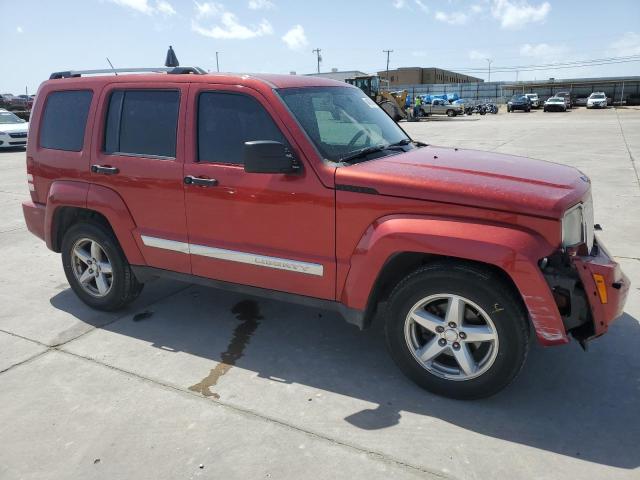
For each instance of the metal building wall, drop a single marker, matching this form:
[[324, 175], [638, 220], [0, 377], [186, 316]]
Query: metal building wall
[[621, 90]]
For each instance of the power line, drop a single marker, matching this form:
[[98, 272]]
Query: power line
[[551, 66]]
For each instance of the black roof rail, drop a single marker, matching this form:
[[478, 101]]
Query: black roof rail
[[185, 70], [169, 70]]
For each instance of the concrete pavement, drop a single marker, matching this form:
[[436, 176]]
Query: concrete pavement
[[254, 388]]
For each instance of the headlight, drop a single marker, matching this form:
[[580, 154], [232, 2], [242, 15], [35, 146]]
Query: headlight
[[577, 225]]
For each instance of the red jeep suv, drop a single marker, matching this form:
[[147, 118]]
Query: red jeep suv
[[302, 188]]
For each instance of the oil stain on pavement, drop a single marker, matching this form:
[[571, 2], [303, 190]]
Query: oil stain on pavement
[[248, 312]]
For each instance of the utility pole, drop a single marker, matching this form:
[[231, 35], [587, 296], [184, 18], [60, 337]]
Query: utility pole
[[317, 52], [489, 61], [387, 75], [217, 62]]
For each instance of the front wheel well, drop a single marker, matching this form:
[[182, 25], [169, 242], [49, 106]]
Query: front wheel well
[[65, 217], [402, 264]]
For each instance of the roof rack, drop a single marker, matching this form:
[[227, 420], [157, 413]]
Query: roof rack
[[169, 70]]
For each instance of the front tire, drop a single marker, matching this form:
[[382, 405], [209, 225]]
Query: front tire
[[96, 268], [457, 330]]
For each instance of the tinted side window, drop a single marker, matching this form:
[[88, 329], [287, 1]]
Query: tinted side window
[[65, 119], [226, 121], [142, 122]]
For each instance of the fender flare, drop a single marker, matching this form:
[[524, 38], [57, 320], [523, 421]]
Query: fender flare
[[99, 199], [513, 250], [62, 193]]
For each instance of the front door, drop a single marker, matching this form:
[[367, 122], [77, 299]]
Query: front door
[[140, 144], [273, 231]]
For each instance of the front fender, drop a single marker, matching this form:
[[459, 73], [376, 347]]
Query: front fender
[[513, 250]]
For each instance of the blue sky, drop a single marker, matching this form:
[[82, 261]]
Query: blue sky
[[278, 35]]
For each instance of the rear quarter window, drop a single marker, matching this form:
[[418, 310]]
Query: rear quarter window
[[64, 120]]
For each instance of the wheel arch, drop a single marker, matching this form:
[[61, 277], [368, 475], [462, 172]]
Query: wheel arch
[[395, 245], [401, 264], [71, 202]]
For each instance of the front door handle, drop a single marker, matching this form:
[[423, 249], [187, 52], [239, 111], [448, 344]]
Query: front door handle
[[201, 182], [104, 169]]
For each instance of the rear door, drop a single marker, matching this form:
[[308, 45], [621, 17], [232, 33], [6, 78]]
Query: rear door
[[272, 231], [138, 152]]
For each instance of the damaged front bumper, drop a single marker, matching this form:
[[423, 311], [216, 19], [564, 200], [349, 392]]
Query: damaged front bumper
[[589, 288]]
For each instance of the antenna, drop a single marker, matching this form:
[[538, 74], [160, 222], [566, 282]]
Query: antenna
[[111, 65]]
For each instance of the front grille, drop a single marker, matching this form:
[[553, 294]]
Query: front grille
[[18, 135]]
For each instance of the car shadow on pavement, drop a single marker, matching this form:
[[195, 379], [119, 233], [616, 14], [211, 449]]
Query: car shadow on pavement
[[565, 401]]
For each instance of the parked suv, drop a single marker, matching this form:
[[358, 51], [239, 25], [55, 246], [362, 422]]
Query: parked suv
[[567, 98], [302, 188], [597, 100], [519, 102]]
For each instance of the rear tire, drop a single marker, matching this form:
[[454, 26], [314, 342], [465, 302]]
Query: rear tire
[[493, 315], [96, 267], [451, 113]]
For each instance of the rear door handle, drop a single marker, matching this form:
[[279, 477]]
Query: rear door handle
[[104, 169], [201, 182]]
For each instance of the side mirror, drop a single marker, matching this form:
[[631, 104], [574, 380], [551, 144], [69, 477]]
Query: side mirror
[[266, 156]]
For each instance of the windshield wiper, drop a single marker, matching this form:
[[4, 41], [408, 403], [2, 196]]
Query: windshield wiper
[[363, 152], [404, 141]]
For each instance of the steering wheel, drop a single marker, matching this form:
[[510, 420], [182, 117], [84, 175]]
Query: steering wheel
[[357, 136]]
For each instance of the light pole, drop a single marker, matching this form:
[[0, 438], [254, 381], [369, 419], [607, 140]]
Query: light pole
[[317, 52], [217, 63], [489, 61], [387, 74]]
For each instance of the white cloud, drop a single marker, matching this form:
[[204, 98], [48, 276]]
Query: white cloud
[[229, 27], [477, 8], [517, 13], [19, 29], [419, 53], [628, 44], [165, 8], [477, 55], [399, 3], [208, 9], [260, 4], [542, 50], [453, 18], [143, 6], [422, 6], [295, 38]]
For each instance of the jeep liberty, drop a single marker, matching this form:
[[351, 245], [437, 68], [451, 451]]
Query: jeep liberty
[[303, 189]]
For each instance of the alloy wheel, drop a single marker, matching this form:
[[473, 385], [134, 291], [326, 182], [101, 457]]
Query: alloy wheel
[[451, 337], [92, 267]]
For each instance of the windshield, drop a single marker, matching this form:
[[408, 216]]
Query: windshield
[[341, 120], [556, 100], [8, 117], [597, 95]]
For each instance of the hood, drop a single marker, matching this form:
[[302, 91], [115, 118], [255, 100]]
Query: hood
[[474, 178], [14, 127]]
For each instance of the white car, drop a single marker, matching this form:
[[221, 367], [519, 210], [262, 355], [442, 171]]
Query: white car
[[535, 101], [597, 100], [13, 130]]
